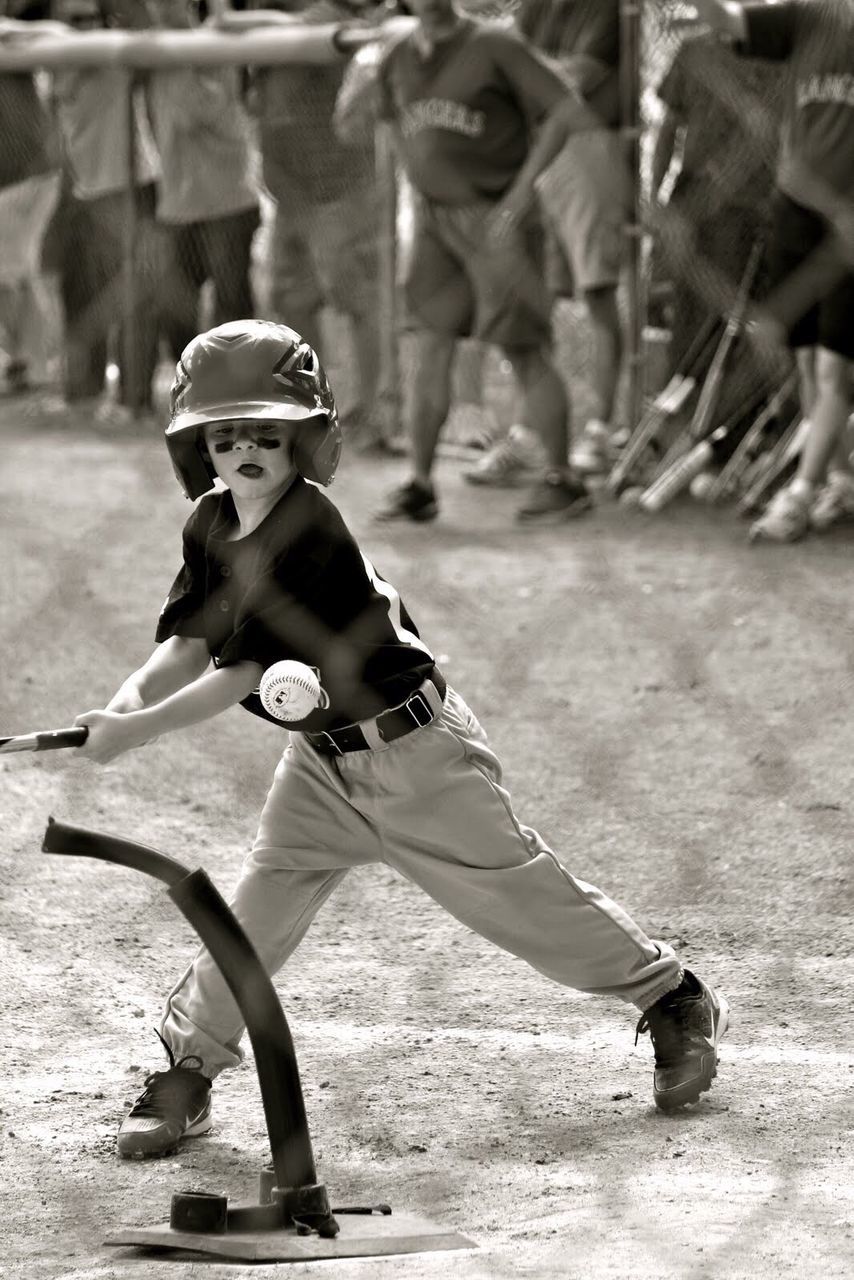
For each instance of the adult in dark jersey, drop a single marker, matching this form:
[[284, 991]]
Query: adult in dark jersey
[[722, 115], [395, 770], [465, 98], [811, 286]]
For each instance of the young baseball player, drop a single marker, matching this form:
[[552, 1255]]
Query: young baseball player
[[811, 286], [394, 769]]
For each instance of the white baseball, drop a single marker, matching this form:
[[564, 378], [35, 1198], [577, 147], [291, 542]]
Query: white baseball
[[290, 690], [702, 485]]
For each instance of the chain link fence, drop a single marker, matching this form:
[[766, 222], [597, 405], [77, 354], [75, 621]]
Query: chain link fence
[[242, 200]]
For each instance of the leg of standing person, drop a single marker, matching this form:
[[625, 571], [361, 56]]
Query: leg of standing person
[[513, 309], [183, 273], [584, 194], [26, 209], [136, 384], [79, 256], [440, 303], [296, 296], [345, 251], [812, 298], [226, 246]]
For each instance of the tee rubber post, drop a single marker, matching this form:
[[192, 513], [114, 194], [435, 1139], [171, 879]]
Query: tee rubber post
[[301, 1199]]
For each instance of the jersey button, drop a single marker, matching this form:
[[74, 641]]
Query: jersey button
[[223, 606], [225, 570]]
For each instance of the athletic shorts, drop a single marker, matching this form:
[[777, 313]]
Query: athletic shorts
[[25, 211], [585, 196], [326, 254], [457, 282], [810, 288]]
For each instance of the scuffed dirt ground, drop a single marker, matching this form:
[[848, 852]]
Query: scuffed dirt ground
[[674, 709]]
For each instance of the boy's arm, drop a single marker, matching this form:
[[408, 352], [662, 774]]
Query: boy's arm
[[567, 117], [111, 734], [173, 664], [361, 100], [662, 155], [563, 110], [724, 16]]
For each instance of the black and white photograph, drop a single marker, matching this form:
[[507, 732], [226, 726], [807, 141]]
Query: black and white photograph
[[427, 705]]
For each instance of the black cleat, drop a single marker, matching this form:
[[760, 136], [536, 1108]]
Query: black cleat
[[413, 501], [558, 496], [175, 1104], [686, 1027]]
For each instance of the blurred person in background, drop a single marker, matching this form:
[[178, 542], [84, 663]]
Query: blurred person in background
[[207, 192], [721, 126], [29, 189], [585, 193], [325, 246], [90, 227], [809, 302], [464, 98]]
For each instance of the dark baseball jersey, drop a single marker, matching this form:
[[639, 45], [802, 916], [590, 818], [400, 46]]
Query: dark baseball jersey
[[816, 38], [297, 587], [464, 111], [578, 32], [730, 108]]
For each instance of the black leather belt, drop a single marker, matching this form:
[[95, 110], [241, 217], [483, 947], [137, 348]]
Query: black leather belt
[[415, 713]]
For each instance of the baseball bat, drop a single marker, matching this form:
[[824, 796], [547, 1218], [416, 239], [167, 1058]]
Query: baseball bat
[[665, 406], [710, 391], [781, 459], [712, 451], [48, 740], [751, 445]]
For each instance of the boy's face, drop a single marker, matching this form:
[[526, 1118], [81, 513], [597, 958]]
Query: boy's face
[[252, 457]]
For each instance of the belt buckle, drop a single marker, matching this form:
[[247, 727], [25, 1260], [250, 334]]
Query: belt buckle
[[329, 738], [419, 699]]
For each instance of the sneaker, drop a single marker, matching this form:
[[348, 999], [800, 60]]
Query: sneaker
[[507, 463], [175, 1104], [558, 496], [413, 501], [18, 377], [785, 519], [834, 502], [594, 452], [686, 1027]]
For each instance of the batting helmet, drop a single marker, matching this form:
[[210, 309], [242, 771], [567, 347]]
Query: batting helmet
[[251, 369]]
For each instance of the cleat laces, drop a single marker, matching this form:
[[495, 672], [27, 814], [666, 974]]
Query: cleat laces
[[164, 1089]]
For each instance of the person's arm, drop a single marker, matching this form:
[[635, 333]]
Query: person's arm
[[564, 112], [251, 19], [173, 664], [565, 118], [112, 733], [724, 16], [662, 155], [361, 99]]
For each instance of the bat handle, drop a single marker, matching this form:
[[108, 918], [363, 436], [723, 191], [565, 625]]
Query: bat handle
[[54, 739]]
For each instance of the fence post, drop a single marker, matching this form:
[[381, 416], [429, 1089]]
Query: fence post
[[129, 379], [630, 129], [388, 409]]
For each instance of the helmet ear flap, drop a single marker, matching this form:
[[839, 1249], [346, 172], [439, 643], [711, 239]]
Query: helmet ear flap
[[317, 449], [192, 463]]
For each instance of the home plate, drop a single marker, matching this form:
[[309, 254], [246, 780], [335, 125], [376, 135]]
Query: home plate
[[361, 1236]]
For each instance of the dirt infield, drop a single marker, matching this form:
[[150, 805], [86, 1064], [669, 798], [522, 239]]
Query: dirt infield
[[674, 709]]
